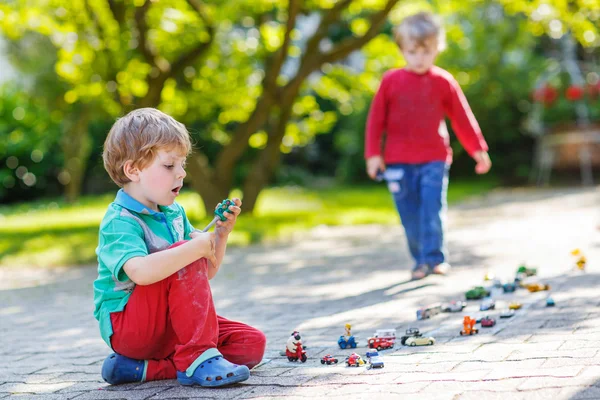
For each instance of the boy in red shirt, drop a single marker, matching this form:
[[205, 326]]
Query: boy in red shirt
[[410, 107]]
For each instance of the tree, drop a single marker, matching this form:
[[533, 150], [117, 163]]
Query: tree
[[245, 72]]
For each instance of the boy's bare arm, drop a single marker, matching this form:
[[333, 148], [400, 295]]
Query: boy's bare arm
[[158, 266]]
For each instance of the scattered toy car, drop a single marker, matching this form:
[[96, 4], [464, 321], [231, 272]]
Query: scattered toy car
[[488, 322], [389, 334], [410, 332], [581, 260], [420, 341], [329, 359], [429, 311], [468, 326], [476, 293], [549, 302], [294, 350], [523, 269], [514, 305], [509, 287], [507, 313], [536, 287], [374, 360], [454, 306], [354, 360], [347, 342], [380, 343], [487, 304]]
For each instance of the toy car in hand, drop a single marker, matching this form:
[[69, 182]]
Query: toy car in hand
[[346, 342], [354, 360], [537, 287], [410, 332], [420, 341], [374, 360], [476, 293], [488, 322], [454, 306], [487, 304], [329, 359], [380, 343]]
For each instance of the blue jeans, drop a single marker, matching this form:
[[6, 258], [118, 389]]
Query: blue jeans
[[420, 191]]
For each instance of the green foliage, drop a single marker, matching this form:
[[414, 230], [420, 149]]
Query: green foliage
[[51, 233]]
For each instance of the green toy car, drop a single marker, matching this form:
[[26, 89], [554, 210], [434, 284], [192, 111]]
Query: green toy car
[[478, 292], [527, 271]]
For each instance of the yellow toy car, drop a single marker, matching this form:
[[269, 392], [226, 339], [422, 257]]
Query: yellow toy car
[[514, 306]]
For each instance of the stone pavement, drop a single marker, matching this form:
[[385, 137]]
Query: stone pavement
[[50, 347]]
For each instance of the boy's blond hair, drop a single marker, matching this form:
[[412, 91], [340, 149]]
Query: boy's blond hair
[[138, 136], [421, 28]]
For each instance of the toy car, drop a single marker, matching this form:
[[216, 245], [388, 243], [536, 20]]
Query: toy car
[[487, 304], [549, 302], [488, 322], [389, 334], [329, 359], [354, 360], [346, 342], [514, 305], [509, 287], [536, 287], [420, 341], [527, 271], [374, 360], [380, 343], [476, 293], [454, 306], [507, 313], [429, 311], [468, 326], [409, 333]]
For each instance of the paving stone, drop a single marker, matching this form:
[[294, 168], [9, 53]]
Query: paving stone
[[187, 392], [34, 388]]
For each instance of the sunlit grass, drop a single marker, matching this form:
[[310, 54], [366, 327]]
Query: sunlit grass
[[53, 233]]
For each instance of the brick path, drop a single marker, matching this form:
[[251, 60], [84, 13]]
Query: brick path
[[50, 347]]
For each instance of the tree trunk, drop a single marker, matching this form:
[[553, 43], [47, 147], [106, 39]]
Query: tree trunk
[[267, 161], [76, 147]]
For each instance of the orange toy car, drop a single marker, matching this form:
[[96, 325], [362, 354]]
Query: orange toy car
[[536, 287], [469, 326]]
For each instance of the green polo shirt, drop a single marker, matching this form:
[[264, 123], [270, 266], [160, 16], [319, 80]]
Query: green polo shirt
[[129, 229]]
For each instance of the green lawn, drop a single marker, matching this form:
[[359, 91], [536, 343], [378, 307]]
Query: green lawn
[[53, 233]]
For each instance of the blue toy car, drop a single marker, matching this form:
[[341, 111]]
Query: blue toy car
[[346, 342], [549, 302], [509, 287], [374, 360]]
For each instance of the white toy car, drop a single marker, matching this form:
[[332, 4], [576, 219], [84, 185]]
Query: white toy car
[[454, 306], [420, 341]]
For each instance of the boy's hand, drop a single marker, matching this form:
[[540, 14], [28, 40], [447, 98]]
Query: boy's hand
[[225, 227], [483, 162], [206, 244], [374, 165]]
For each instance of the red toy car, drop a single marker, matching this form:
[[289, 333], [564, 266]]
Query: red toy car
[[380, 343], [488, 322], [328, 359], [354, 360]]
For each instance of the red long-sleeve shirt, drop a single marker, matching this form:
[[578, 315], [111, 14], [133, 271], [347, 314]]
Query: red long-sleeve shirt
[[410, 108]]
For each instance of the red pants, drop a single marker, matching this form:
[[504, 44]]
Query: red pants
[[172, 322]]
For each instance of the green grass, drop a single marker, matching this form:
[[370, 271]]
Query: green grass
[[52, 233]]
